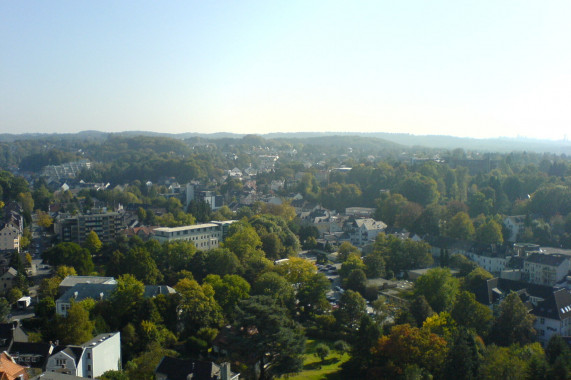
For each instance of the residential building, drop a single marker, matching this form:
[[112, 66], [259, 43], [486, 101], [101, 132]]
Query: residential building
[[8, 279], [540, 268], [204, 236], [9, 237], [363, 230], [89, 360], [179, 369], [99, 292], [514, 224], [76, 228], [10, 370], [30, 354], [553, 316], [70, 281]]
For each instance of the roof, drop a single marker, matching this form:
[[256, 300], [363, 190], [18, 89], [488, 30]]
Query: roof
[[370, 224], [557, 306], [57, 376], [102, 291], [41, 350], [551, 260], [70, 281], [179, 369], [496, 288], [9, 369], [11, 271]]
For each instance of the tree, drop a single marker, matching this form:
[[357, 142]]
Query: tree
[[273, 285], [357, 281], [438, 287], [420, 310], [71, 254], [490, 233], [476, 279], [127, 295], [228, 291], [375, 265], [243, 240], [322, 351], [198, 307], [471, 314], [264, 332], [463, 359], [514, 324], [407, 345], [4, 309], [44, 219], [461, 227], [346, 249], [76, 327], [352, 307], [92, 242]]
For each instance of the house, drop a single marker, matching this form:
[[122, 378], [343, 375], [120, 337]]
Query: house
[[363, 230], [30, 354], [179, 369], [91, 359], [99, 292], [545, 269], [56, 376], [10, 333], [514, 224], [553, 316], [70, 281], [10, 370], [8, 279], [9, 237]]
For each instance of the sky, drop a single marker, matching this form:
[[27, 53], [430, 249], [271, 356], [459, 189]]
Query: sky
[[481, 68]]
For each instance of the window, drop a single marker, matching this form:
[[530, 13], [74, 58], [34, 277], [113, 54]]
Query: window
[[61, 362], [89, 355]]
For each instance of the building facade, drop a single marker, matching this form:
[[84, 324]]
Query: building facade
[[204, 236], [75, 228]]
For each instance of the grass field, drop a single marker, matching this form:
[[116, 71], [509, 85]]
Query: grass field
[[314, 369]]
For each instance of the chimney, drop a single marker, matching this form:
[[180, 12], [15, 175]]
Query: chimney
[[225, 373]]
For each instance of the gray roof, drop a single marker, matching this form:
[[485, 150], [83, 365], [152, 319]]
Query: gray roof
[[103, 291], [551, 260], [70, 281], [56, 376]]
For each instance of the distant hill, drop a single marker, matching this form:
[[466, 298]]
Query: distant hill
[[378, 140]]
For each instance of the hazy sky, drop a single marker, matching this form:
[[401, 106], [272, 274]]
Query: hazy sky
[[465, 68]]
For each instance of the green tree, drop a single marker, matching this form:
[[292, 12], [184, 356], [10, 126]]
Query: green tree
[[4, 309], [514, 324], [264, 332], [490, 233], [198, 307], [71, 254], [243, 240], [461, 227], [352, 307], [463, 359], [439, 288], [92, 242], [471, 314], [322, 351], [273, 285], [76, 327], [476, 279], [228, 291]]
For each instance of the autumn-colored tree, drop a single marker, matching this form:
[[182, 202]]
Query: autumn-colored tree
[[92, 242], [44, 219], [406, 345]]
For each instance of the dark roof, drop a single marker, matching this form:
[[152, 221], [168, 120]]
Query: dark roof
[[95, 291], [41, 350], [179, 369], [7, 334], [557, 306], [496, 288], [551, 260]]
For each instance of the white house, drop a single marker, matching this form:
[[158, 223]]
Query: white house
[[553, 316], [543, 269], [364, 230], [514, 224], [89, 360]]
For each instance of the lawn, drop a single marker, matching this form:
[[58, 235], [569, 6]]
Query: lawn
[[314, 369]]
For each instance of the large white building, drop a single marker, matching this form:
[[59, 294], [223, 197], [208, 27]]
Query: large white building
[[553, 316], [544, 269], [89, 360], [204, 236]]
